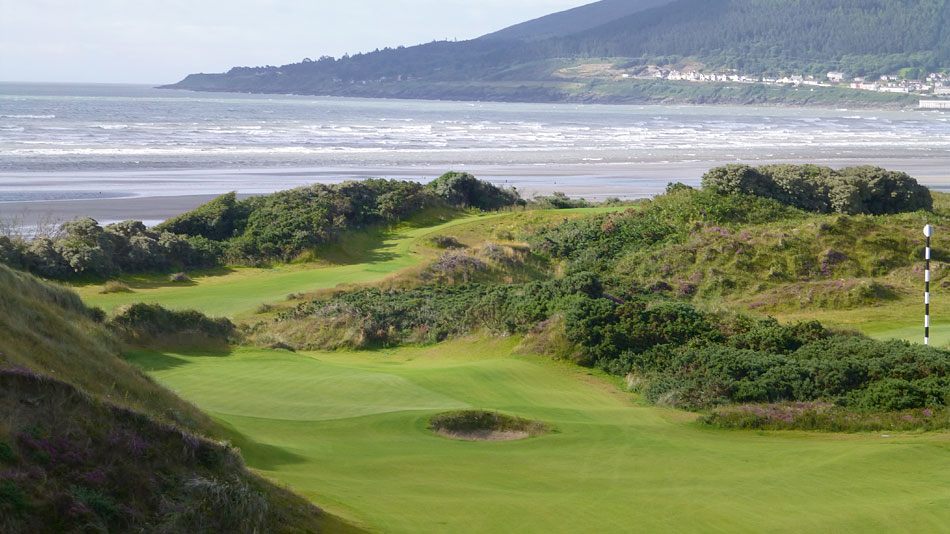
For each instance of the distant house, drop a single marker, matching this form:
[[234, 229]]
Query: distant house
[[836, 76]]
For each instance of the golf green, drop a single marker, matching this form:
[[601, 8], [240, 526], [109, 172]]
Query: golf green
[[349, 430]]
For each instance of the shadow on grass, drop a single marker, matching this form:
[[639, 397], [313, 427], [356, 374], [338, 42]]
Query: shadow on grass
[[374, 245], [155, 280], [151, 360], [359, 248], [260, 455]]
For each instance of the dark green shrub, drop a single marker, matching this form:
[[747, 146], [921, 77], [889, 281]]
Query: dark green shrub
[[154, 320], [463, 189], [6, 453], [853, 190], [217, 220], [559, 201], [12, 499], [444, 241], [101, 505]]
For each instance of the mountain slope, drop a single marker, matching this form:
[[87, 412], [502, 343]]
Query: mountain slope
[[547, 59], [796, 32], [573, 20]]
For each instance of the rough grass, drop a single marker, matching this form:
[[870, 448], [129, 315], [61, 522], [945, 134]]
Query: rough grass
[[61, 466], [350, 429], [46, 328], [824, 417]]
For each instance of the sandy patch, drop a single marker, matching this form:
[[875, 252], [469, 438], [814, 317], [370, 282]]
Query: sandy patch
[[484, 435]]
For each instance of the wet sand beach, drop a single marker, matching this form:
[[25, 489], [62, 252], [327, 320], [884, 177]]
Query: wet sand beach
[[154, 196]]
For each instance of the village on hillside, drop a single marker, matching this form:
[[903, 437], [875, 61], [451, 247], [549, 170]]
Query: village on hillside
[[936, 84]]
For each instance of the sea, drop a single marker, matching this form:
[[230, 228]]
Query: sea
[[61, 142]]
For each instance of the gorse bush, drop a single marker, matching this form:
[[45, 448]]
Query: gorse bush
[[559, 201], [429, 313], [152, 320], [853, 190], [463, 189], [85, 248]]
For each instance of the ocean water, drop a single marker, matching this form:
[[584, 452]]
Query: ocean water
[[61, 141]]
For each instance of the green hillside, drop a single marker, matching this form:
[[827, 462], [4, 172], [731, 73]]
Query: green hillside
[[527, 62], [573, 20], [863, 37]]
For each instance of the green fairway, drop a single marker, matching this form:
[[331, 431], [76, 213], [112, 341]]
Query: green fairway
[[237, 291], [348, 430]]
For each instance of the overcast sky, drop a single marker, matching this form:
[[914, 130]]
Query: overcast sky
[[160, 41]]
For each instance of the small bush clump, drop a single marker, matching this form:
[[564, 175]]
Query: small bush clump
[[153, 320], [559, 201], [463, 189], [115, 286], [6, 453], [444, 241], [12, 499], [179, 278]]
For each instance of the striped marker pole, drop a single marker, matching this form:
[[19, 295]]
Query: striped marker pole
[[928, 231]]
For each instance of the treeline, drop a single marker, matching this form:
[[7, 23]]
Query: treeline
[[276, 227], [853, 190]]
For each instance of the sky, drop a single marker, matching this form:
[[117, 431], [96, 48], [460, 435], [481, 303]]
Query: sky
[[161, 41]]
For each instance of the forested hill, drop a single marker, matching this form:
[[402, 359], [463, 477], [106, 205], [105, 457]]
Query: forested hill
[[759, 36], [574, 20], [546, 59]]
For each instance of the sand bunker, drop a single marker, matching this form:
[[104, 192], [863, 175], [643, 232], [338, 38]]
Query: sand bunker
[[480, 425]]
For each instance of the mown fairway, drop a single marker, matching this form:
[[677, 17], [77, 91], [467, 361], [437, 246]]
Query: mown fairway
[[349, 431]]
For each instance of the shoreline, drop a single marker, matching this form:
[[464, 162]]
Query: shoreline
[[154, 196], [575, 100]]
